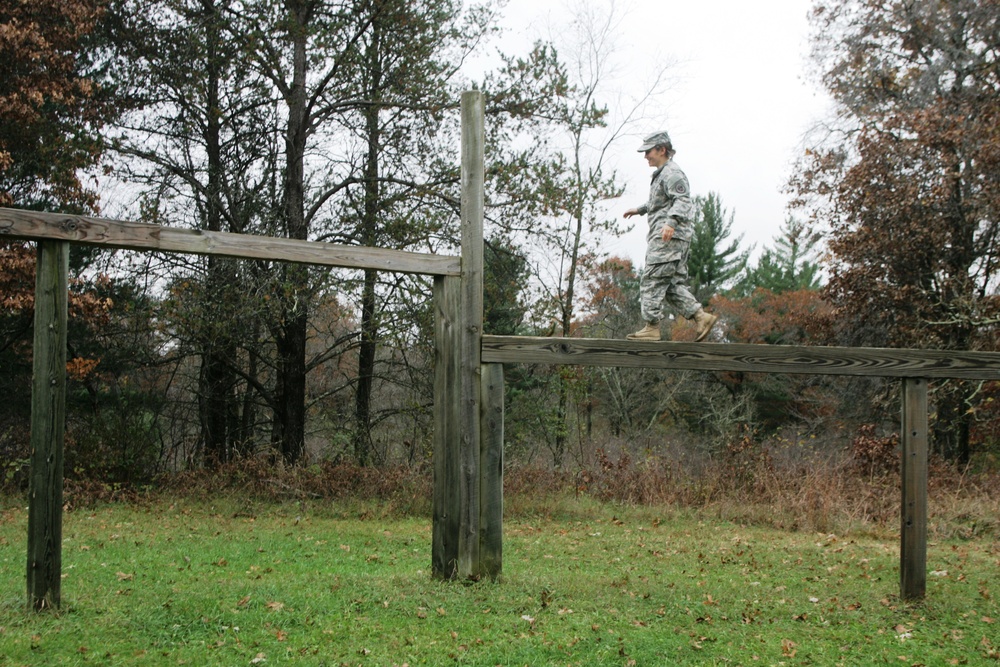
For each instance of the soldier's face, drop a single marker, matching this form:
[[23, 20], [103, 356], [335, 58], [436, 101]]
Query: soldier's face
[[656, 156]]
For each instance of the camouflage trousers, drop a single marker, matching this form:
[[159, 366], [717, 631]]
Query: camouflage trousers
[[666, 282]]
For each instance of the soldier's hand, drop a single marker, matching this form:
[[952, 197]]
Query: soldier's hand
[[629, 213], [668, 233]]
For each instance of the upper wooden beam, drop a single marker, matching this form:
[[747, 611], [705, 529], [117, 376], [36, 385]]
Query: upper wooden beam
[[32, 225], [880, 362]]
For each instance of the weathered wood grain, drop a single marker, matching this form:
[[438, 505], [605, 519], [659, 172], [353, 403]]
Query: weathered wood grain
[[472, 187], [86, 230], [446, 508], [913, 510], [48, 419], [491, 474], [880, 362]]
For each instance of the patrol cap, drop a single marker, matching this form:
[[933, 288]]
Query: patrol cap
[[656, 139]]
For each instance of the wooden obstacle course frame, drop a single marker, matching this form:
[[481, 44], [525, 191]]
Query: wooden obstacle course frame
[[467, 532]]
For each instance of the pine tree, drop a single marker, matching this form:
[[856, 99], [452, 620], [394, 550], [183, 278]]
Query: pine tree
[[788, 265], [711, 263]]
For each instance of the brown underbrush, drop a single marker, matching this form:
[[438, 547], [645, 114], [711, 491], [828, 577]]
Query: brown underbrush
[[749, 482]]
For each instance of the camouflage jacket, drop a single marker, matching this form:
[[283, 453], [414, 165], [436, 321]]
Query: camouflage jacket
[[669, 203]]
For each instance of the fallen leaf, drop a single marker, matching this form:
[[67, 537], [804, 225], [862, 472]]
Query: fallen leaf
[[125, 577], [788, 648], [275, 606]]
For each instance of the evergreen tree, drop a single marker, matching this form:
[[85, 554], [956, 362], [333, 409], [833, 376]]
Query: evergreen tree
[[197, 142], [787, 266], [505, 273], [711, 263]]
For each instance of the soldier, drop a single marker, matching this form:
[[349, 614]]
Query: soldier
[[671, 225]]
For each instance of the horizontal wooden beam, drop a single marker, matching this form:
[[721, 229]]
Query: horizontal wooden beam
[[86, 230], [881, 362]]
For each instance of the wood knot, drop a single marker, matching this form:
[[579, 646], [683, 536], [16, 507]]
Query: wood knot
[[70, 225]]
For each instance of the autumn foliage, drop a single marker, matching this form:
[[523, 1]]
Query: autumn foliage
[[50, 108], [17, 299], [907, 182]]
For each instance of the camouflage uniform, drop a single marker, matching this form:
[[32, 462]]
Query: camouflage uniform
[[665, 276]]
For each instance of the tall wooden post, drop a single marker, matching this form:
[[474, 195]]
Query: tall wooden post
[[913, 513], [459, 329], [48, 418]]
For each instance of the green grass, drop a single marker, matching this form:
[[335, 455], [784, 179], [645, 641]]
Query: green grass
[[185, 582]]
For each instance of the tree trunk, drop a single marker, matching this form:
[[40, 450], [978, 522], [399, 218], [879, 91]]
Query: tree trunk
[[288, 435], [218, 351], [289, 418], [366, 372], [368, 236], [951, 429]]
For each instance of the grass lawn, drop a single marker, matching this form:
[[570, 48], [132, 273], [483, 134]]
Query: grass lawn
[[189, 582]]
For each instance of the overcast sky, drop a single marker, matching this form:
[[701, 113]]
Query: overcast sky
[[738, 101]]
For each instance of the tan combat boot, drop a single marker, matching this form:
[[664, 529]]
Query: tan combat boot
[[649, 332], [705, 322]]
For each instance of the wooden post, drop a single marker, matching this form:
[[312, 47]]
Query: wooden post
[[473, 193], [913, 532], [491, 474], [48, 418], [455, 549], [446, 499]]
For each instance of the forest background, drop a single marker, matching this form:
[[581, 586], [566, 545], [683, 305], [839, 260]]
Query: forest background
[[337, 121]]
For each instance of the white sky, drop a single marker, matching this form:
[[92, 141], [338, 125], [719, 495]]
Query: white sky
[[739, 99]]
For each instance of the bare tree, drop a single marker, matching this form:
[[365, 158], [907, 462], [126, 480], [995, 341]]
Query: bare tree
[[595, 117]]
